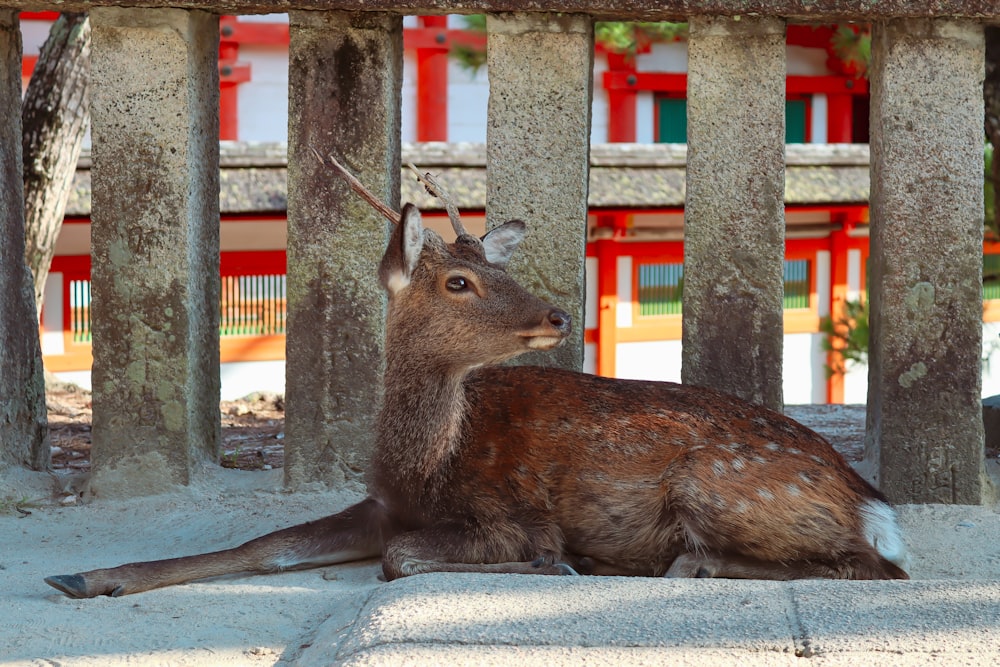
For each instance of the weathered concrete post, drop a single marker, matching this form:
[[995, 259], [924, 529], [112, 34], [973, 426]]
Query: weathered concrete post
[[155, 246], [344, 81], [23, 423], [734, 225], [538, 156], [925, 425]]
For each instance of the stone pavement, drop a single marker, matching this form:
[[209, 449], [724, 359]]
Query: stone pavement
[[466, 619]]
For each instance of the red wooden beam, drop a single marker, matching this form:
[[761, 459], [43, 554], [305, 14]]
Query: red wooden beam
[[428, 36], [252, 32], [669, 82], [840, 118], [233, 72], [432, 83], [621, 101], [439, 37]]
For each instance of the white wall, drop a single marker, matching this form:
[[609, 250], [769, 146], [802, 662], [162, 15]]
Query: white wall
[[803, 371], [238, 378], [468, 97], [263, 101], [654, 360]]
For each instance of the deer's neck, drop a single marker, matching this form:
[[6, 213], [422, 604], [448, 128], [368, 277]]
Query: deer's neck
[[420, 425]]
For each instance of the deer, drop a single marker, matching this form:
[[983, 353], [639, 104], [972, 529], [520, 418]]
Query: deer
[[492, 468]]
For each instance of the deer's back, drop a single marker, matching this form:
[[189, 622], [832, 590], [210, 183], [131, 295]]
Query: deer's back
[[618, 465]]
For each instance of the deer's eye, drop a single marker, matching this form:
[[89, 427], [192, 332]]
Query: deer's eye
[[457, 284]]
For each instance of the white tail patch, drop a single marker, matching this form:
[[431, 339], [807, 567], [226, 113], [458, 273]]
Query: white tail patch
[[882, 532]]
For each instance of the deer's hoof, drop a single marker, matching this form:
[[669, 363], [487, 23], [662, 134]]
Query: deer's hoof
[[72, 585], [566, 569]]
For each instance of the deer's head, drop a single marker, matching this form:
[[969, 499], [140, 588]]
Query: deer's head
[[454, 305]]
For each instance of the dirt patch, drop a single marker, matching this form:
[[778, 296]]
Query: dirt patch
[[253, 430]]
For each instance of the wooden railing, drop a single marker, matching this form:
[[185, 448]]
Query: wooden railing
[[155, 216]]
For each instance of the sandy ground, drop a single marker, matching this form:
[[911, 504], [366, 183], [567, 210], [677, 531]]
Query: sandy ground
[[269, 619]]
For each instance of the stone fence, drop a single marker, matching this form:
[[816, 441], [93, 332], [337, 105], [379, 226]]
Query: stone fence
[[155, 212]]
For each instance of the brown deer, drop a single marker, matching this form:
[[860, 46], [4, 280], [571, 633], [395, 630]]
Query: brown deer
[[486, 468]]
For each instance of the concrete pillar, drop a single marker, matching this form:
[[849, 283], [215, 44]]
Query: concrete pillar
[[734, 224], [155, 245], [344, 80], [23, 423], [538, 156], [925, 427]]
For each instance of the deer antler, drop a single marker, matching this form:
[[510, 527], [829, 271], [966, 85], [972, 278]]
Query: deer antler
[[357, 186], [435, 190], [430, 184]]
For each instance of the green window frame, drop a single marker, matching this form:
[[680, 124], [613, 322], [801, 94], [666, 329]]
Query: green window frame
[[671, 120], [991, 277], [796, 279], [250, 305], [79, 311], [661, 287]]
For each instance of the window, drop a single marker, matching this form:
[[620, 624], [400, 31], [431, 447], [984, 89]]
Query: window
[[991, 277], [79, 311], [671, 120], [796, 120], [660, 289], [796, 284], [252, 305]]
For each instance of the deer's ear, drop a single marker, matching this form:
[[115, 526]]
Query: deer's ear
[[401, 256], [501, 242]]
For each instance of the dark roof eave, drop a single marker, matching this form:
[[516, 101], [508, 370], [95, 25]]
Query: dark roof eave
[[253, 176]]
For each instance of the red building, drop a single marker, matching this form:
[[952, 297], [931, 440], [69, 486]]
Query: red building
[[635, 227]]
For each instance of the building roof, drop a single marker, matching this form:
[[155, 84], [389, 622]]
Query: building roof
[[253, 176]]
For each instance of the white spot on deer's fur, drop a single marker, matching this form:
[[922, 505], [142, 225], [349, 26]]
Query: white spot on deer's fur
[[738, 464], [718, 467], [792, 450], [742, 507], [765, 494], [817, 459], [793, 490], [882, 532], [773, 446], [718, 501]]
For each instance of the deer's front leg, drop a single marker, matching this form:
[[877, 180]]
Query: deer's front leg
[[453, 548], [353, 534]]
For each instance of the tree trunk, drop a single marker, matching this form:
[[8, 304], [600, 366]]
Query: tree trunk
[[54, 119], [23, 422], [54, 115]]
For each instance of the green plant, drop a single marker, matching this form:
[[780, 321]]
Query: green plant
[[989, 194], [616, 36], [231, 458], [623, 37], [848, 335], [852, 44], [14, 505]]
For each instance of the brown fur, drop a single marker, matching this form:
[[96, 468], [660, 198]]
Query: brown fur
[[538, 470]]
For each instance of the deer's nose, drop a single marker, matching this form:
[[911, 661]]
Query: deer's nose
[[560, 321]]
